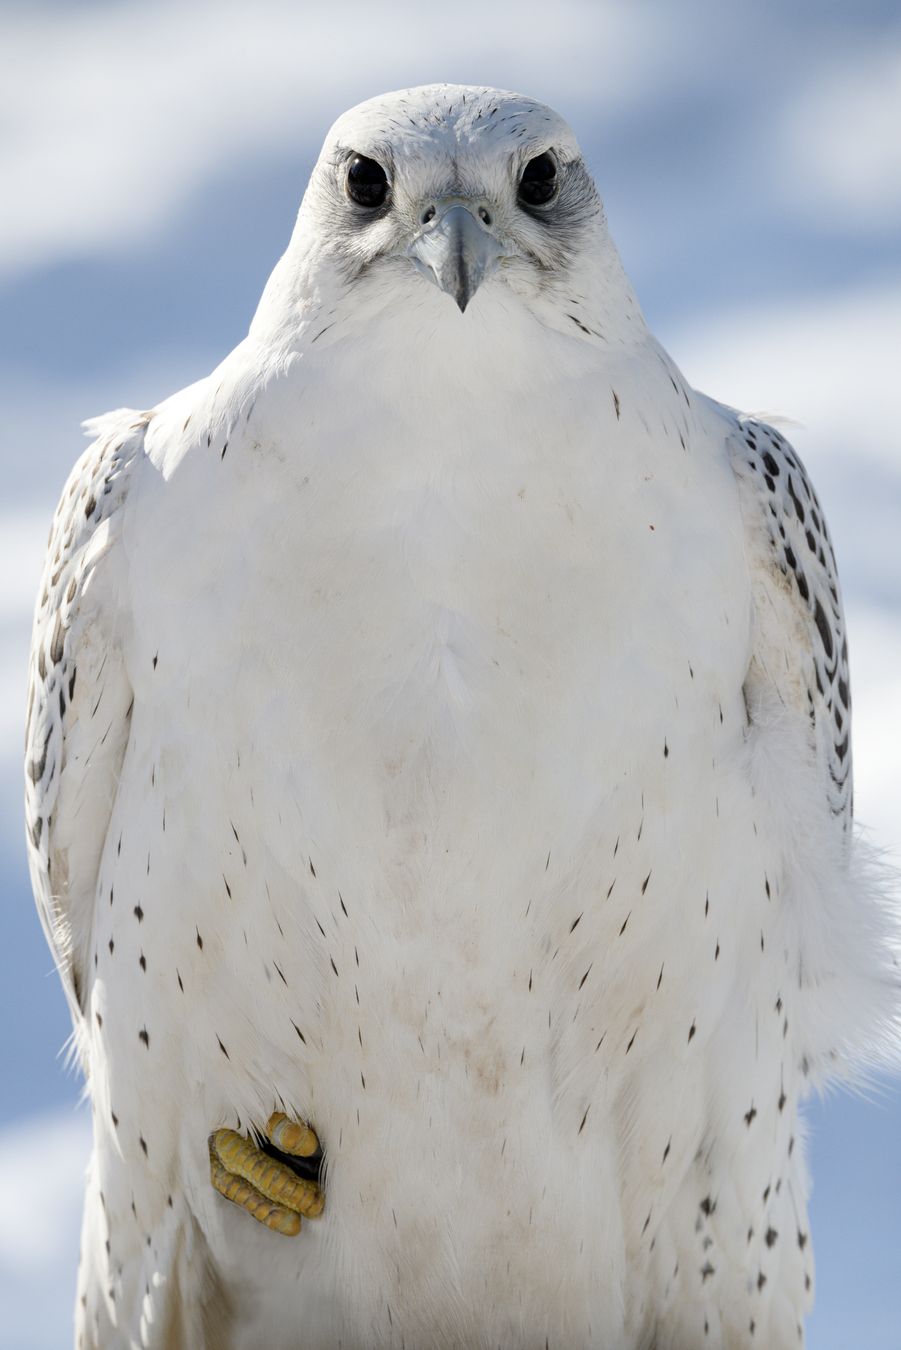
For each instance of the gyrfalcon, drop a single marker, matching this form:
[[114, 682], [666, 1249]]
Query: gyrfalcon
[[439, 797]]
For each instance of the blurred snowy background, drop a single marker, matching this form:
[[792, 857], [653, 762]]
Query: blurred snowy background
[[152, 157]]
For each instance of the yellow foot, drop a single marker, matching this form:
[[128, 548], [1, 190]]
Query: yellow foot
[[268, 1189]]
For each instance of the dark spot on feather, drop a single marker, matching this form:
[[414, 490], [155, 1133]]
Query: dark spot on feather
[[144, 1035], [822, 623], [37, 766], [799, 509], [58, 642]]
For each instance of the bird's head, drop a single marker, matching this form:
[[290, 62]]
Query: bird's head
[[459, 188]]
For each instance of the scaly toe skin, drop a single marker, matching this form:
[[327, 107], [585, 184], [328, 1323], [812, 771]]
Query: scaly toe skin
[[240, 1192], [291, 1137], [266, 1188]]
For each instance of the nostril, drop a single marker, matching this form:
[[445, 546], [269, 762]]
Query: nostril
[[428, 214], [484, 216]]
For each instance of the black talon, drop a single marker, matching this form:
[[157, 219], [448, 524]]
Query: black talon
[[308, 1168]]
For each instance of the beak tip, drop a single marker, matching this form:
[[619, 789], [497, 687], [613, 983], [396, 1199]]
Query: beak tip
[[456, 252]]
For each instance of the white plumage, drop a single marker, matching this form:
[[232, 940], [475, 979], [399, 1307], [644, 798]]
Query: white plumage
[[439, 731]]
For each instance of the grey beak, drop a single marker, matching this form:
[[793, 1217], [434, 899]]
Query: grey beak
[[456, 251]]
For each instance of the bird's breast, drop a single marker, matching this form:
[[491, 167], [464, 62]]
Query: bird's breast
[[459, 709], [476, 614]]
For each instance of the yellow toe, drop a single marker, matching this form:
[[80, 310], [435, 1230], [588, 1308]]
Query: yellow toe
[[277, 1217], [270, 1178], [291, 1137]]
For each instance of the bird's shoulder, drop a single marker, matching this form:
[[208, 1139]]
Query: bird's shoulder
[[800, 647], [78, 694]]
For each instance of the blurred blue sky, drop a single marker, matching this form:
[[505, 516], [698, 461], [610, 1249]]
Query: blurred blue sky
[[153, 156]]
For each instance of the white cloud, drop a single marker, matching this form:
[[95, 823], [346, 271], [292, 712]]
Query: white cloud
[[841, 148], [23, 538], [42, 1164], [830, 363], [114, 115]]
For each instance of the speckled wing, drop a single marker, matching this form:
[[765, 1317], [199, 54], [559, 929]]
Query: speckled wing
[[79, 698], [800, 646]]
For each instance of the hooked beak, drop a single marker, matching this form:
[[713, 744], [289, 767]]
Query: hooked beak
[[456, 250]]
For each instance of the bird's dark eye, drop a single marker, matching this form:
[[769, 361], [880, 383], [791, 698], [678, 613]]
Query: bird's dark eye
[[367, 182], [539, 181]]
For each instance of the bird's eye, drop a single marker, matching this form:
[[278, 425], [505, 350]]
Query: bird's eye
[[367, 182], [538, 184]]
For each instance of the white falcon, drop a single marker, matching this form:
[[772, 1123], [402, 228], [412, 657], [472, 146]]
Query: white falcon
[[438, 752]]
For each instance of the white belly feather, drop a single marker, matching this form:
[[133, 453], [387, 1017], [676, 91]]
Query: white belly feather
[[438, 828]]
